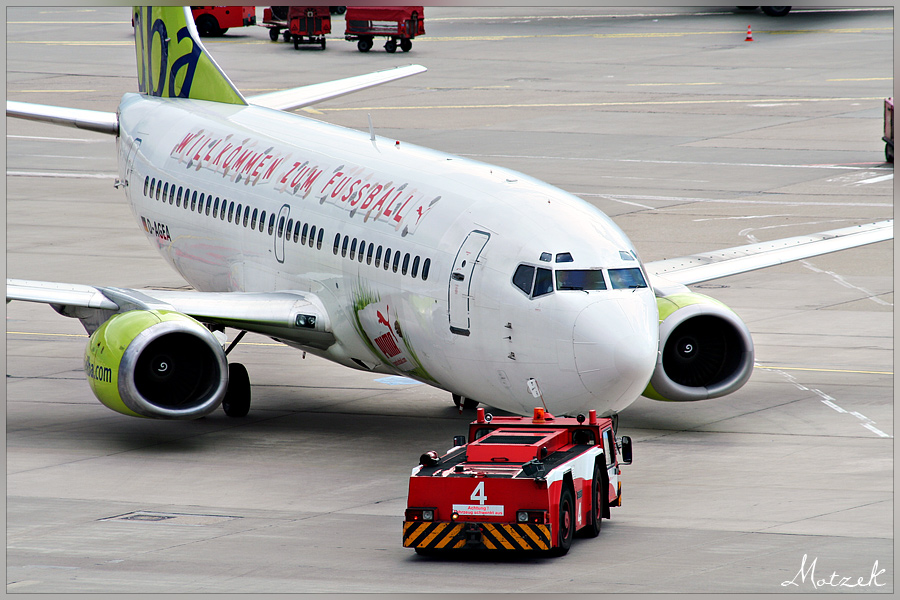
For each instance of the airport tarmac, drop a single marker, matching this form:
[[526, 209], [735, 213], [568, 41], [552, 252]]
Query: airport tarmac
[[692, 138]]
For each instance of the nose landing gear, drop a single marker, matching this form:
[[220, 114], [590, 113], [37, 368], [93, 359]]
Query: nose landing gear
[[464, 403]]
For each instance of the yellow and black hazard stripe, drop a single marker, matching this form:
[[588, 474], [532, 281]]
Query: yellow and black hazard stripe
[[493, 536], [433, 535], [515, 536]]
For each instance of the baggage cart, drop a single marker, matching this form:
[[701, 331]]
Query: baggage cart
[[275, 19], [399, 24], [309, 24]]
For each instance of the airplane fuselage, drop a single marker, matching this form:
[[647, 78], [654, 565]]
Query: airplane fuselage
[[443, 269]]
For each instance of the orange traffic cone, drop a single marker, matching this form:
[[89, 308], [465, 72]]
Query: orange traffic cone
[[749, 35]]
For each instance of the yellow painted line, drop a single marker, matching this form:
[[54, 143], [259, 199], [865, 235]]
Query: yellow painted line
[[74, 43], [659, 84], [864, 79], [597, 104], [825, 370]]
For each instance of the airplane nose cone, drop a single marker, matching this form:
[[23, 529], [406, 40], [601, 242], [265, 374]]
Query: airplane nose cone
[[615, 343]]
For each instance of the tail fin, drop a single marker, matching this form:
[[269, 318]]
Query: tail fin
[[172, 63]]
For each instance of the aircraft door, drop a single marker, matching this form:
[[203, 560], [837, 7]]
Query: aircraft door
[[280, 233], [461, 280], [129, 161]]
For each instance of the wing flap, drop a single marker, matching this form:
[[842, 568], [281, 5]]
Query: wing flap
[[318, 92], [92, 120], [697, 268]]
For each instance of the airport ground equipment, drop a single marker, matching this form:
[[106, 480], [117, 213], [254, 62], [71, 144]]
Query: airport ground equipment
[[888, 130], [520, 484], [400, 24], [216, 20], [300, 24]]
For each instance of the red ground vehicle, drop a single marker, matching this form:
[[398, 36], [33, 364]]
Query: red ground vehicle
[[216, 20], [309, 24], [520, 484], [400, 24]]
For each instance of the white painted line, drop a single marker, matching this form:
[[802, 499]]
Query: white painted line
[[876, 430], [58, 139], [834, 406], [60, 175], [875, 179]]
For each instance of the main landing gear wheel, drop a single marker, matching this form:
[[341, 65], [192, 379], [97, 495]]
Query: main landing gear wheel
[[237, 397], [566, 522], [466, 403]]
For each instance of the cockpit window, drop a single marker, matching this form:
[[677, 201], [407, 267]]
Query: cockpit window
[[580, 280], [543, 282], [523, 278], [626, 278], [564, 257]]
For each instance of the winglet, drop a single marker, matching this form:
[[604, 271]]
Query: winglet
[[171, 61]]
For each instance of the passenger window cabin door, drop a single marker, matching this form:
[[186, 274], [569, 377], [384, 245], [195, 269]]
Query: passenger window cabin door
[[460, 292]]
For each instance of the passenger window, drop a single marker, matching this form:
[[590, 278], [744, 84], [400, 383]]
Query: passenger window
[[165, 192], [337, 241], [216, 209], [297, 232], [362, 248], [178, 198], [159, 189], [405, 267], [246, 215], [396, 261], [172, 194], [305, 230], [231, 211], [262, 221], [280, 226], [378, 258], [426, 266], [543, 282], [146, 184], [626, 278], [319, 240], [253, 219], [369, 254], [387, 259], [344, 246], [353, 249], [523, 278], [271, 223], [415, 269], [222, 214]]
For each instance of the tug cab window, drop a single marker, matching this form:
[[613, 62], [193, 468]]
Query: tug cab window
[[626, 279], [580, 280]]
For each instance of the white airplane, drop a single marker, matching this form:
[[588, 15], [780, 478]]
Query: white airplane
[[380, 256]]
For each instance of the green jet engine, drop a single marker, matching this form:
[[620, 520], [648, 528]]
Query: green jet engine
[[157, 364]]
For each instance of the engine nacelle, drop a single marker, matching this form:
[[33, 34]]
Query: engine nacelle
[[705, 350], [157, 364]]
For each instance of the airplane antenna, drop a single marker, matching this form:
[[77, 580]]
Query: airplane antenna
[[371, 128]]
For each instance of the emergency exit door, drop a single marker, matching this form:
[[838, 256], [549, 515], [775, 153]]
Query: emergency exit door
[[461, 290]]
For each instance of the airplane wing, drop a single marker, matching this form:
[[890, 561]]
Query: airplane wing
[[93, 120], [298, 317], [697, 268], [311, 94]]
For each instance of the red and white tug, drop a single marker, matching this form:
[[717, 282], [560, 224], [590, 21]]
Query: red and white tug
[[519, 484]]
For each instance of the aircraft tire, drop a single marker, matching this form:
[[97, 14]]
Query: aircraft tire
[[237, 397]]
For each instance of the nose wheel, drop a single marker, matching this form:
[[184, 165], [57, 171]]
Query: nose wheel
[[464, 403]]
